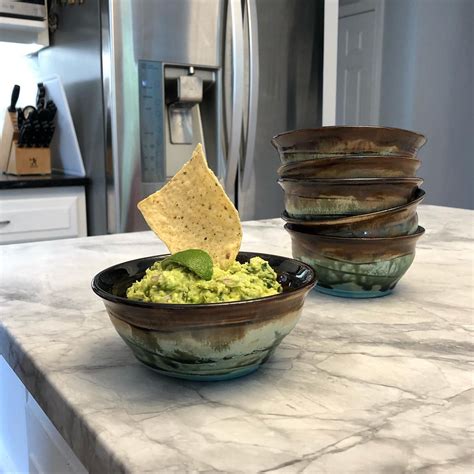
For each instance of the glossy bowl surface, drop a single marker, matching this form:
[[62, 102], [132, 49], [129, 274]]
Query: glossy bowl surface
[[344, 140], [399, 220], [372, 166], [215, 341], [355, 267], [312, 198]]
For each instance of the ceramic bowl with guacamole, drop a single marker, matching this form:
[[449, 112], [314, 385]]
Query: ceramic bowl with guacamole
[[207, 311], [207, 341]]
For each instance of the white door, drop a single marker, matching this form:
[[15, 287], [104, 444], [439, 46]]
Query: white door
[[358, 84]]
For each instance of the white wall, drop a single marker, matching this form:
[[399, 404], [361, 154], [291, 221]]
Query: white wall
[[428, 86]]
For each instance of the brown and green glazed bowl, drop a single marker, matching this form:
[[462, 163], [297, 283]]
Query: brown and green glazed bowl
[[215, 341], [368, 166], [342, 140], [399, 220], [312, 198], [355, 267]]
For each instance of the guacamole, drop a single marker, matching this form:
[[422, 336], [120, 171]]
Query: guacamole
[[177, 284]]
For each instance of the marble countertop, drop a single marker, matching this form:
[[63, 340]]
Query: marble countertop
[[381, 385]]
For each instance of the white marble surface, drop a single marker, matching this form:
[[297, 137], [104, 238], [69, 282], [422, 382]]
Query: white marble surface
[[362, 386]]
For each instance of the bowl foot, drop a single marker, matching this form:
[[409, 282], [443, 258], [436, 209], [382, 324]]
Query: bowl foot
[[206, 377], [352, 294]]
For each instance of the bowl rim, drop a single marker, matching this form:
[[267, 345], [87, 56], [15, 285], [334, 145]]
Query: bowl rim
[[189, 306], [353, 156], [356, 181], [350, 127], [347, 219], [419, 232]]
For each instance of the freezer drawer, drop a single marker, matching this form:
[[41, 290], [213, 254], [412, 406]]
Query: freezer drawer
[[42, 214]]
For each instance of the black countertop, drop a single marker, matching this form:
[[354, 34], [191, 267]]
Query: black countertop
[[45, 181]]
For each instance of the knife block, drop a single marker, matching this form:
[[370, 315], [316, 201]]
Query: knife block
[[24, 160], [9, 135]]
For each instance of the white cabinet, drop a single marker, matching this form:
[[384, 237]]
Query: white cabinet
[[47, 450], [13, 439], [28, 215], [29, 442]]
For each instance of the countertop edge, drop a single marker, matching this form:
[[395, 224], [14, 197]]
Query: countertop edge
[[41, 181], [47, 396]]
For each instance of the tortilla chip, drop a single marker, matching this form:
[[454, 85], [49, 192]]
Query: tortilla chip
[[192, 211]]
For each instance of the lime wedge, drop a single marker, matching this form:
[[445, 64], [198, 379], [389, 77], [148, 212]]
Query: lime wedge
[[195, 260]]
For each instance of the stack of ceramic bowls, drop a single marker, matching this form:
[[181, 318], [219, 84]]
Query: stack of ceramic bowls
[[351, 196]]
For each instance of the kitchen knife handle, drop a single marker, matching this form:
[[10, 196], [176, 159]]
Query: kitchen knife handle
[[14, 99], [19, 118], [40, 94]]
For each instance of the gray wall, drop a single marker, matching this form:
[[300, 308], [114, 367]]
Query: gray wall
[[428, 86]]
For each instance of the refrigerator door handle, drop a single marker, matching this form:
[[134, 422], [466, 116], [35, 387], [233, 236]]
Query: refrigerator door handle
[[251, 10], [233, 159]]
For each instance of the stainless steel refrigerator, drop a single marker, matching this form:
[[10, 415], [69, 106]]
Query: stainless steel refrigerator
[[147, 80]]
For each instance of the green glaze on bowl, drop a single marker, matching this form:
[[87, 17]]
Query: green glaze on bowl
[[205, 341], [355, 267], [312, 198], [210, 353], [392, 222], [308, 165]]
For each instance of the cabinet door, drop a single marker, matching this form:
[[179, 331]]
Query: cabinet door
[[13, 440], [29, 442], [42, 214], [47, 450]]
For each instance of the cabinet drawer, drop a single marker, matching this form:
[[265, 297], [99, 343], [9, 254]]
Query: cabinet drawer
[[48, 452], [13, 438], [41, 214]]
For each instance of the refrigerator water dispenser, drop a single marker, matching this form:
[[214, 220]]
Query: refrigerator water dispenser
[[177, 104]]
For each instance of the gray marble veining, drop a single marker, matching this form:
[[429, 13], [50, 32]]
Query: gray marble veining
[[368, 386]]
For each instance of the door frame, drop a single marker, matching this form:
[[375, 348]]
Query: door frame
[[355, 7], [331, 28]]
